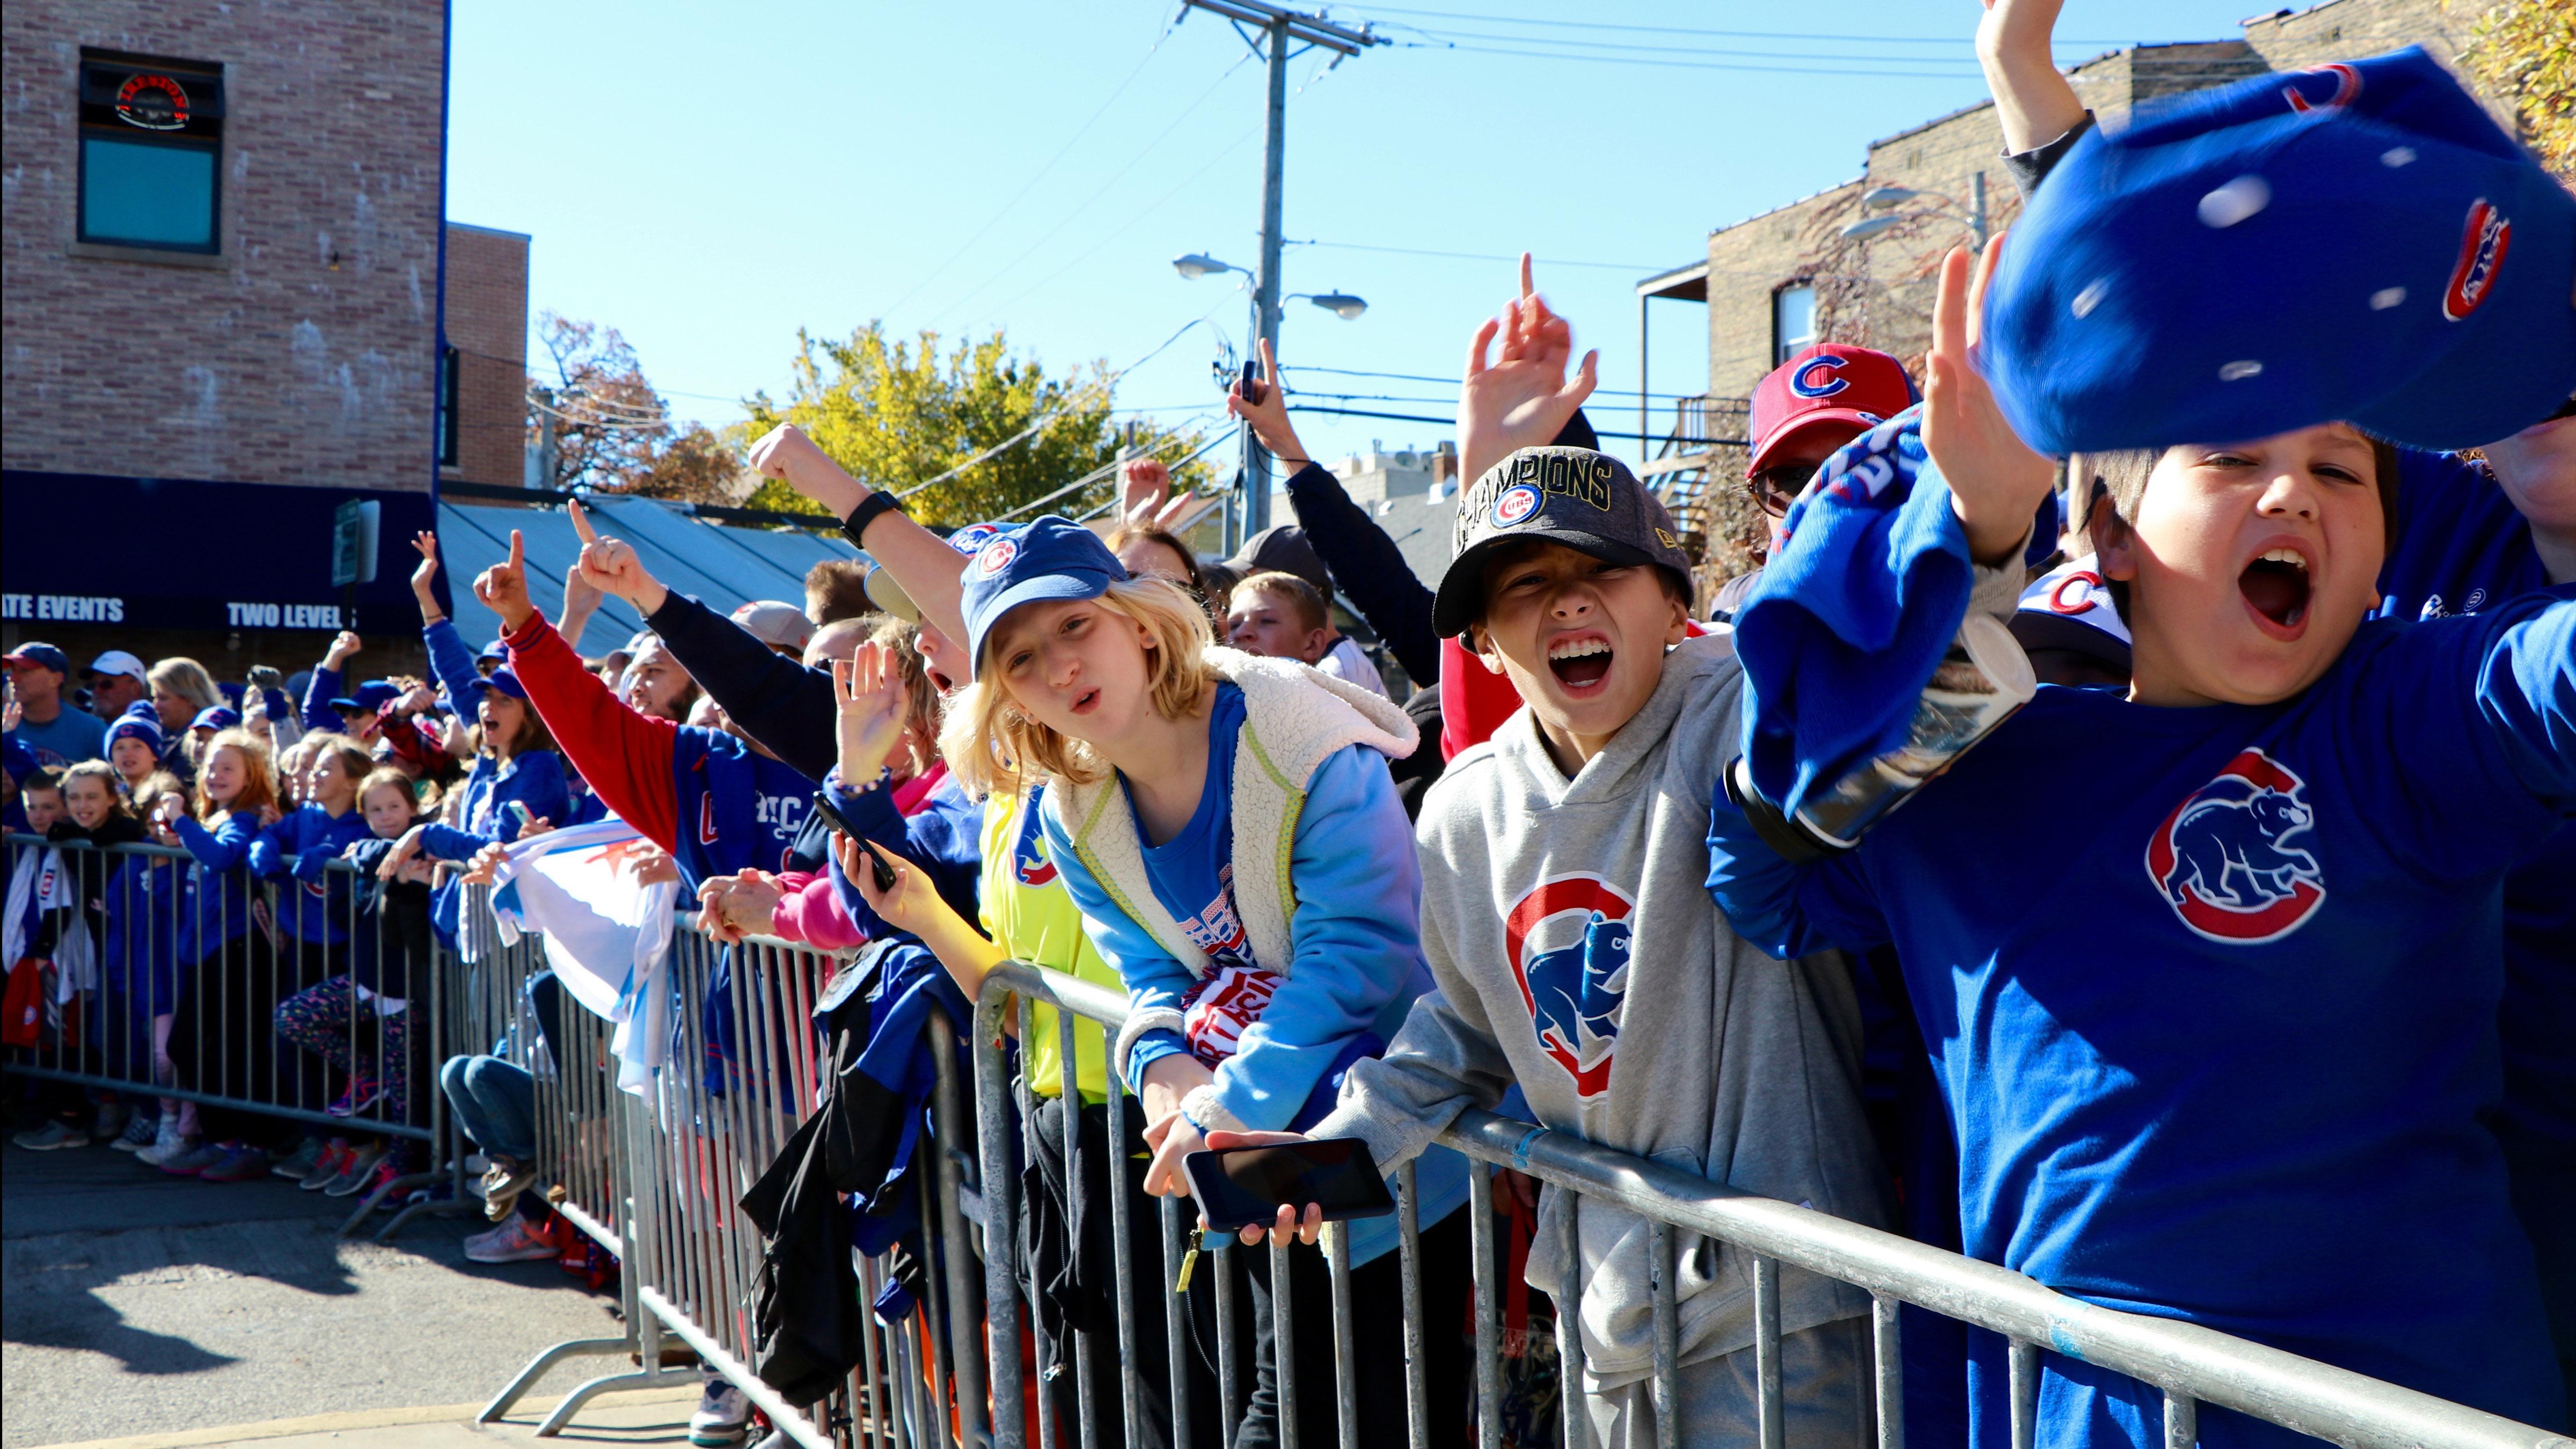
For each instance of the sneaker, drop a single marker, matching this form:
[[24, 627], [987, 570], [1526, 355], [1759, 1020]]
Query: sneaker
[[111, 1121], [197, 1159], [364, 1092], [297, 1164], [723, 1414], [238, 1164], [53, 1136], [511, 1242], [335, 1156], [167, 1142], [503, 1181], [355, 1172], [141, 1131], [392, 1167]]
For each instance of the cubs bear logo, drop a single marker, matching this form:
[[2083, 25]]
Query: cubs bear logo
[[1515, 503], [1819, 377], [2347, 86], [2225, 860], [994, 557], [1573, 992], [972, 538], [1028, 858], [2482, 248]]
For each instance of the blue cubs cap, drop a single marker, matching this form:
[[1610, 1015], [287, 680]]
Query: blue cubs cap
[[889, 596], [494, 650], [2359, 243], [371, 696], [506, 680], [40, 656], [139, 722], [1051, 559], [215, 717]]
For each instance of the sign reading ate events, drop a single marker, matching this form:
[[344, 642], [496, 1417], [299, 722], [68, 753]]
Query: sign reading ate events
[[189, 555]]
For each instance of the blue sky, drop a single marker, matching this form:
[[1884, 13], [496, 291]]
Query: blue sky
[[710, 178]]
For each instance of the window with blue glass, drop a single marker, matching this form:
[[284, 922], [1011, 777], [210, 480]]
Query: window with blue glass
[[151, 153]]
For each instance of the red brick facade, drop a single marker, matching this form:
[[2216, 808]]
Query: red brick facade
[[305, 351], [487, 325]]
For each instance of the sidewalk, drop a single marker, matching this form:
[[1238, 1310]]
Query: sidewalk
[[640, 1417], [133, 1303]]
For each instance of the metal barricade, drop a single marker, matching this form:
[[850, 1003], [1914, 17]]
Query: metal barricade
[[2190, 1365], [240, 1001]]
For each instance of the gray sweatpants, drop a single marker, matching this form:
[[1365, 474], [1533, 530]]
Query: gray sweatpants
[[1826, 1389]]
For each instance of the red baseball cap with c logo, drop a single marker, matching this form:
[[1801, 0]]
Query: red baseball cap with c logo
[[1825, 389]]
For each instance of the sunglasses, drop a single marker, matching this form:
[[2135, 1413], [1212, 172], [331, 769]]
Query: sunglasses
[[1776, 488]]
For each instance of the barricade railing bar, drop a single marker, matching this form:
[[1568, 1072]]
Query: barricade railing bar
[[2189, 1364], [655, 1175]]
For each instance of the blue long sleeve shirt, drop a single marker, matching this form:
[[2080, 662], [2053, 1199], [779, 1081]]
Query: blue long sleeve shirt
[[944, 839], [319, 691], [302, 844], [2218, 1033], [220, 886]]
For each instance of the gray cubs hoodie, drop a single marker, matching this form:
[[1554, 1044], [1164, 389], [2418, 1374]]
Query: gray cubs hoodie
[[1576, 951]]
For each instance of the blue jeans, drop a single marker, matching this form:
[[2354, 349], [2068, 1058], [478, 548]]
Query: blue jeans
[[495, 1104]]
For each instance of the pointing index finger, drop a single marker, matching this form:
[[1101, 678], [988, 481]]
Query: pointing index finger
[[518, 549], [581, 521]]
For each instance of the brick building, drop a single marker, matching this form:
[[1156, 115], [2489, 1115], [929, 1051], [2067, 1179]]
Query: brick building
[[483, 414], [224, 263], [1786, 277]]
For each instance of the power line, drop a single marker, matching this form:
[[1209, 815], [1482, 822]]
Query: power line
[[1105, 189], [1477, 256], [1727, 52], [1041, 174], [1703, 65], [1696, 31]]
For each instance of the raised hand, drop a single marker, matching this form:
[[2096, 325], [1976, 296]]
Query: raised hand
[[1143, 484], [612, 566], [1523, 397], [424, 576], [1169, 516], [787, 454], [1267, 410], [343, 644], [2034, 104], [1996, 481], [868, 689], [503, 588]]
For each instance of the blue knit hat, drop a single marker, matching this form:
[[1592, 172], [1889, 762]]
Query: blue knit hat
[[139, 722], [2357, 243]]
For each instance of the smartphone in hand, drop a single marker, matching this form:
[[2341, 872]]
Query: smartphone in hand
[[877, 867], [1240, 1186]]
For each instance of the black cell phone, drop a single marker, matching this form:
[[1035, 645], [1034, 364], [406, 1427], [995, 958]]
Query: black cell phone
[[877, 866], [1253, 391], [1243, 1185]]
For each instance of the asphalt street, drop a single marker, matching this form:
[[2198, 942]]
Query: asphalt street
[[133, 1302]]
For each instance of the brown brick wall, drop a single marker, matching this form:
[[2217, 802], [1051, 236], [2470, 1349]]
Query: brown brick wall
[[487, 324], [309, 354]]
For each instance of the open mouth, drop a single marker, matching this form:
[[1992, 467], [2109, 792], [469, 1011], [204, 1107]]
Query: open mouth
[[2275, 586], [1580, 663], [1086, 702], [939, 681]]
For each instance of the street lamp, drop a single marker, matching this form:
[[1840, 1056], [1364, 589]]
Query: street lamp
[[1340, 304], [1252, 512], [1881, 198], [1194, 265], [1870, 226]]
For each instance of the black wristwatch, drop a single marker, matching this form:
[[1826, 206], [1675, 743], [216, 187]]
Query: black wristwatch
[[855, 527]]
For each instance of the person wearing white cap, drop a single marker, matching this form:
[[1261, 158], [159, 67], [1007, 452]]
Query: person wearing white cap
[[116, 679]]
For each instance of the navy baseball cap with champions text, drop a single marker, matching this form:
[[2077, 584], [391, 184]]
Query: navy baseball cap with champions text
[[1051, 559], [2359, 242]]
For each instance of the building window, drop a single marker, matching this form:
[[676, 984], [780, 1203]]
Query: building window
[[1793, 322], [447, 425], [151, 143]]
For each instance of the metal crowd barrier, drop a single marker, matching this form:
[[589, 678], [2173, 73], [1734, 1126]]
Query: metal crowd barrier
[[2191, 1365], [130, 1012]]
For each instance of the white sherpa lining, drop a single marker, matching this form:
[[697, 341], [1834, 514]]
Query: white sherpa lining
[[1294, 718]]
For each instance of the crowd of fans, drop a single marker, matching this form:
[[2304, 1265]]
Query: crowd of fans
[[1536, 883]]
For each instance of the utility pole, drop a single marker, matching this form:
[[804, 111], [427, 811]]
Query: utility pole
[[1280, 26]]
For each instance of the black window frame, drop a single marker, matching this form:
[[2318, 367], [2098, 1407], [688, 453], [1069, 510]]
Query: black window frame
[[449, 392], [202, 132]]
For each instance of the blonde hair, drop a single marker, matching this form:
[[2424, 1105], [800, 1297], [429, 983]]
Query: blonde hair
[[259, 784], [1303, 599], [993, 746], [384, 775], [188, 679]]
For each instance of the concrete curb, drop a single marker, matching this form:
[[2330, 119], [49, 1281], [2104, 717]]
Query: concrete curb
[[525, 1415]]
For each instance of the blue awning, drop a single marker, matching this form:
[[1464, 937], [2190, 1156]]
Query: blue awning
[[720, 565]]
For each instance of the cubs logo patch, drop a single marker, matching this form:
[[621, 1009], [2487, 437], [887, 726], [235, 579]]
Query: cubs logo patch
[[995, 556], [2078, 593], [2482, 248], [1819, 377], [2225, 858], [1515, 504], [2346, 86], [1574, 991], [1028, 856], [972, 538]]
